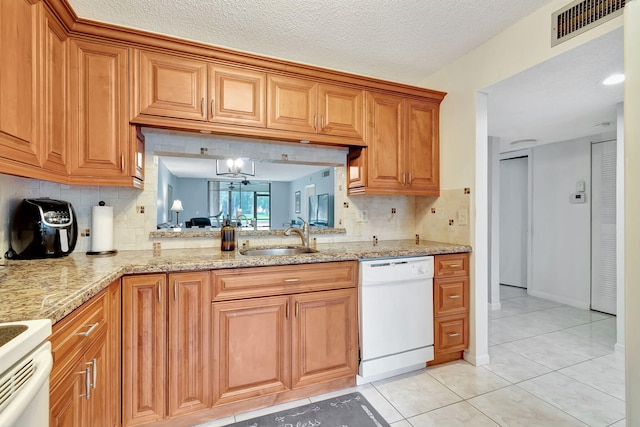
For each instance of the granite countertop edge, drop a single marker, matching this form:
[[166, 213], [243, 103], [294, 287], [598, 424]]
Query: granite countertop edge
[[53, 288]]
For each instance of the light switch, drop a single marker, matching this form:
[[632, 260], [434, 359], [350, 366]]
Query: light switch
[[580, 186]]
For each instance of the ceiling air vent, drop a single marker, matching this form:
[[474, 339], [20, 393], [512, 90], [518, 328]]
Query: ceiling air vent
[[580, 16]]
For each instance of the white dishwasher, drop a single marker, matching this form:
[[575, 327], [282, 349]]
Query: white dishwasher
[[396, 316]]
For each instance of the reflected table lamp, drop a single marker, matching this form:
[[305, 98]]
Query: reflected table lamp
[[177, 208]]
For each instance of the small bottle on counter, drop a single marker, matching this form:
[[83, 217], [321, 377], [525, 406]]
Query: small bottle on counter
[[227, 237]]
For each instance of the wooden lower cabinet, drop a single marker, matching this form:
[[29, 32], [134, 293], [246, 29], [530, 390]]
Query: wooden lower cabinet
[[84, 390], [325, 340], [274, 344], [251, 348], [165, 340], [450, 307]]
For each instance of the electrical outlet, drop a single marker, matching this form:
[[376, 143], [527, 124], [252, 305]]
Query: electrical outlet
[[340, 221], [140, 209], [363, 216], [462, 216], [393, 210], [345, 204]]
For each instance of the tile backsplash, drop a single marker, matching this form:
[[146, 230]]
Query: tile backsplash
[[362, 216]]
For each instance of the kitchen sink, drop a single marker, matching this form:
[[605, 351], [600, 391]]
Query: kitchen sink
[[278, 251]]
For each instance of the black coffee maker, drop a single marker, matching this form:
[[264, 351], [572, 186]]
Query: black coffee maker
[[42, 228]]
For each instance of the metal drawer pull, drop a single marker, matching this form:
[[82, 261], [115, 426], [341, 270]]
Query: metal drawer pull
[[122, 161], [455, 265], [287, 312], [297, 308], [94, 364], [87, 384], [293, 280], [453, 335], [175, 290], [453, 296], [159, 292], [88, 331], [202, 107]]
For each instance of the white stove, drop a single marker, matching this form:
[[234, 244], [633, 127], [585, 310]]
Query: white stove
[[25, 365]]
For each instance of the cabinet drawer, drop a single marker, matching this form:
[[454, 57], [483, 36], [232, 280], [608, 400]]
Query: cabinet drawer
[[450, 296], [451, 265], [77, 331], [451, 333], [230, 284]]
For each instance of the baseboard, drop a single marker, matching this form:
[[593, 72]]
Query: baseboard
[[476, 360], [562, 300], [619, 348], [495, 306]]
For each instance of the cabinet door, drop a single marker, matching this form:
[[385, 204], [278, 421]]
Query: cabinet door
[[100, 131], [341, 111], [291, 104], [137, 152], [99, 403], [172, 86], [67, 408], [324, 336], [144, 319], [385, 155], [54, 68], [189, 304], [19, 87], [237, 96], [251, 348], [422, 147]]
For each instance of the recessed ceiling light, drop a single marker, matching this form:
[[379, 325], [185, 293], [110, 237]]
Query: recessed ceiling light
[[613, 79]]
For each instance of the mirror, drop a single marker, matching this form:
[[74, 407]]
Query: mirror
[[270, 196]]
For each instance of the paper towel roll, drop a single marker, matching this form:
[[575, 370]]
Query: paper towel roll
[[101, 229]]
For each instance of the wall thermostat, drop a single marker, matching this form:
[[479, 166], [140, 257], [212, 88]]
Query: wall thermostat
[[579, 197]]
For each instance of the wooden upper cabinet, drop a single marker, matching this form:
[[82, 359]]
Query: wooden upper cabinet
[[19, 86], [171, 86], [237, 96], [341, 111], [402, 154], [54, 71], [306, 106], [292, 104], [100, 131], [422, 149], [385, 139]]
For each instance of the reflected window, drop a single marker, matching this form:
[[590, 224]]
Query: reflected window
[[247, 203]]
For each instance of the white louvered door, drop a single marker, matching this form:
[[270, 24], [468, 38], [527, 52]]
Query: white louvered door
[[603, 227]]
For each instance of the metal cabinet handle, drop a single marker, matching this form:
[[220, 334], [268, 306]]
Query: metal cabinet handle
[[292, 280], [94, 368], [454, 265], [175, 290], [87, 384], [453, 335], [122, 161], [453, 296], [159, 292], [321, 122], [287, 312], [410, 178], [88, 331], [202, 110], [297, 305], [212, 107]]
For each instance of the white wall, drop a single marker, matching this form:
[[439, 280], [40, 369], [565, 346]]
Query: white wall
[[280, 211], [632, 208], [193, 193], [561, 230], [463, 155]]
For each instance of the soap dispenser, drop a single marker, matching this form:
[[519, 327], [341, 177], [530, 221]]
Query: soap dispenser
[[227, 236]]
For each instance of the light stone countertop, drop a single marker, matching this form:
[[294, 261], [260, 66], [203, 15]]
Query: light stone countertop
[[52, 288]]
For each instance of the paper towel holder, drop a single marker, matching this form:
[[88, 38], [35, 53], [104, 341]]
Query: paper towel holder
[[103, 253]]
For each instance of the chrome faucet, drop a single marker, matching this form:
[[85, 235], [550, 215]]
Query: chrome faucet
[[303, 233], [239, 219]]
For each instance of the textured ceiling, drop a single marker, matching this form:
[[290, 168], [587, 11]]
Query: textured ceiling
[[398, 40]]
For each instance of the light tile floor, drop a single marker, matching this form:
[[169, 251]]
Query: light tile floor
[[551, 365]]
